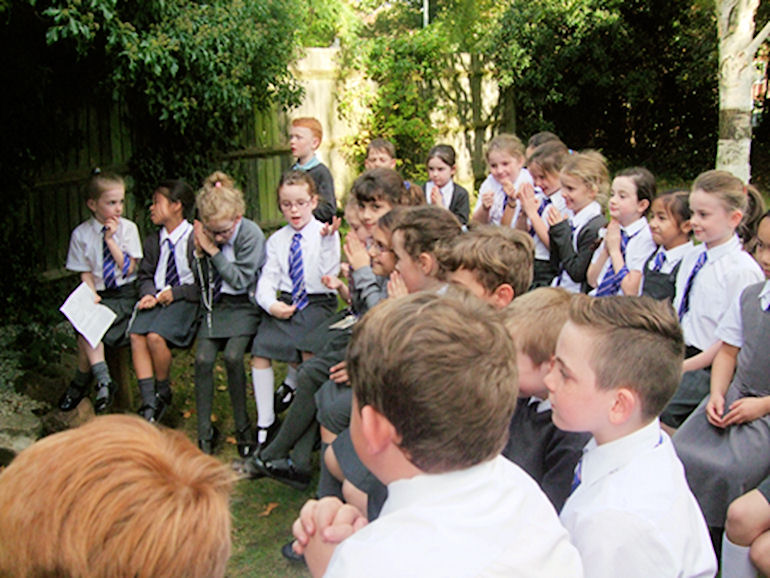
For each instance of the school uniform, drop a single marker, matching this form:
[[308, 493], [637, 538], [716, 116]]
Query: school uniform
[[639, 245], [572, 244], [453, 197], [500, 200], [230, 320], [723, 464], [177, 322], [324, 184], [487, 520], [544, 271], [545, 452], [727, 271], [278, 338], [661, 269], [632, 510], [86, 255]]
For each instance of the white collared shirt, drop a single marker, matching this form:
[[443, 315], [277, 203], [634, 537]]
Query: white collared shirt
[[578, 221], [86, 255], [640, 245], [633, 513], [447, 191], [320, 256], [488, 520], [727, 272], [673, 256], [542, 252], [496, 210], [730, 329], [179, 238]]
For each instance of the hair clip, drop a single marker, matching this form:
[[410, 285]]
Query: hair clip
[[218, 185], [96, 171]]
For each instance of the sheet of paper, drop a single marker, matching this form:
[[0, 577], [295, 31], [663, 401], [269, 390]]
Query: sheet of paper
[[90, 319]]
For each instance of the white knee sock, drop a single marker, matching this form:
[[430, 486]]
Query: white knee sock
[[735, 560], [291, 377], [264, 384]]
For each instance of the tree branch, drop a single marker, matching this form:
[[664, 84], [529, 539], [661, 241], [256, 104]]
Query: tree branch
[[758, 40]]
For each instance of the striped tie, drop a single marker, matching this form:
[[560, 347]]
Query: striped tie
[[172, 275], [684, 306], [108, 264], [660, 258], [610, 283], [297, 273], [540, 210], [577, 476]]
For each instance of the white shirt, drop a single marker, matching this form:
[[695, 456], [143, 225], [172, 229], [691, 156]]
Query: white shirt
[[577, 222], [633, 514], [638, 249], [320, 256], [673, 256], [496, 210], [179, 237], [85, 252], [730, 329], [727, 272], [542, 252], [447, 191], [488, 520]]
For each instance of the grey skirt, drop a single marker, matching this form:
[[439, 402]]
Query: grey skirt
[[177, 323], [233, 316]]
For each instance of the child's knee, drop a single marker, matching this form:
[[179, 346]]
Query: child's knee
[[155, 341], [744, 518], [260, 363], [232, 359], [759, 553], [204, 362]]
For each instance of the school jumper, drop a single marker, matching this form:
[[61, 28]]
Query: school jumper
[[723, 464], [177, 322], [324, 184], [572, 246], [487, 520], [454, 197], [86, 255], [660, 271], [632, 513], [727, 271], [230, 320], [639, 245]]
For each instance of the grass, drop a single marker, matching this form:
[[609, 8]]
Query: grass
[[263, 510]]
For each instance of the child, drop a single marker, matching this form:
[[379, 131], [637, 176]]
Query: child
[[167, 311], [115, 497], [616, 267], [448, 486], [441, 190], [377, 191], [671, 229], [617, 362], [505, 158], [381, 154], [229, 251], [305, 137], [492, 263], [584, 184], [104, 251], [544, 164], [538, 139], [710, 279], [746, 545], [722, 442], [290, 290], [545, 452]]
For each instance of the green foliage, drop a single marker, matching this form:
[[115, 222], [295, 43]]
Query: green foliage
[[636, 79], [326, 21]]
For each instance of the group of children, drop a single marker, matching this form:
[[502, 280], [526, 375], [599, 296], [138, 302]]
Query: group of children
[[383, 383]]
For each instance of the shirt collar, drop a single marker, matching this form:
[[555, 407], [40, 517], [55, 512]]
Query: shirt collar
[[313, 162], [635, 227], [231, 240], [719, 251], [97, 226], [676, 253], [587, 213], [182, 229], [601, 460], [542, 404], [764, 295]]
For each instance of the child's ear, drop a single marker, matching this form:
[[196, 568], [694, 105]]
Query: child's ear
[[686, 227], [376, 430], [91, 204], [626, 405], [428, 264], [643, 205], [316, 143], [503, 295], [735, 218], [313, 202]]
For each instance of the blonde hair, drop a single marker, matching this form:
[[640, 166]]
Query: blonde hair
[[550, 156], [115, 497], [507, 143], [495, 255], [102, 181], [535, 319], [311, 123], [590, 167], [220, 199], [636, 343], [472, 364]]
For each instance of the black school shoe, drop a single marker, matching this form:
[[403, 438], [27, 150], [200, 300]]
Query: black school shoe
[[104, 396], [288, 552], [162, 403], [72, 397], [210, 445], [271, 432], [282, 470], [282, 398], [147, 411], [247, 442]]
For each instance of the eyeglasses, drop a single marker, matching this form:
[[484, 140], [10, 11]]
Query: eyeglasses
[[221, 232], [287, 205]]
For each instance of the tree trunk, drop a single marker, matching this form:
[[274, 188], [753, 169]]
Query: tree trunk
[[737, 47]]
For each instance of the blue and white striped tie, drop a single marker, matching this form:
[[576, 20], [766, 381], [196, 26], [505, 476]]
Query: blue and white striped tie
[[297, 273], [108, 264], [172, 275]]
